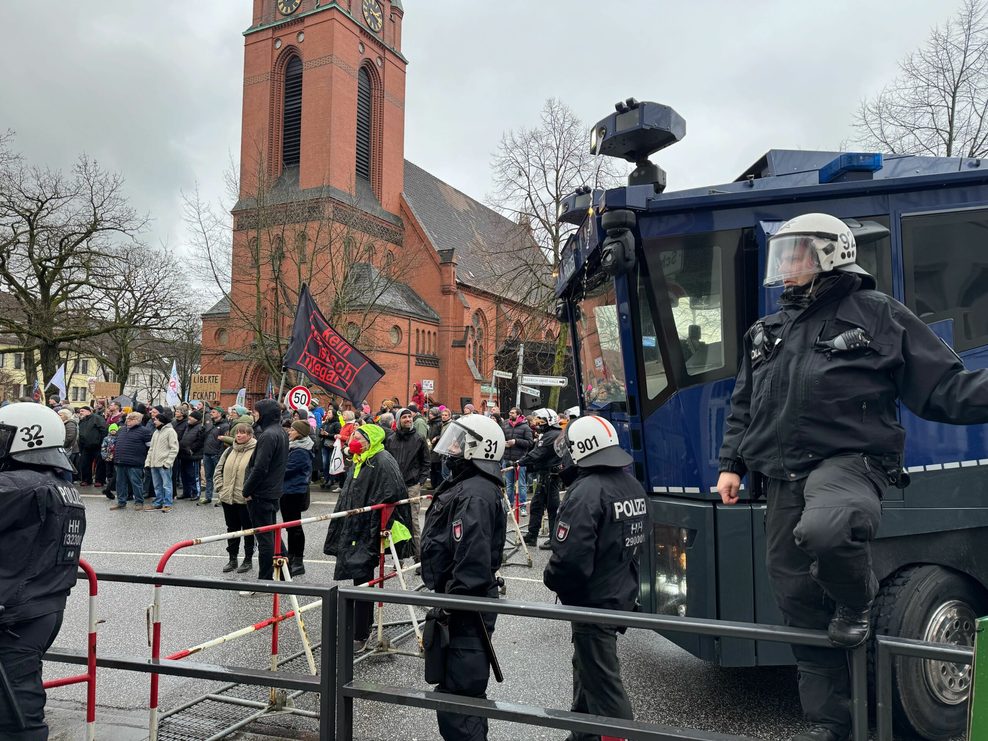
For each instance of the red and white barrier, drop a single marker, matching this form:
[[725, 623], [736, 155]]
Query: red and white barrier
[[154, 610], [90, 676]]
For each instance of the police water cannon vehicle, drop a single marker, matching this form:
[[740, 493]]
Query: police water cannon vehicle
[[658, 288]]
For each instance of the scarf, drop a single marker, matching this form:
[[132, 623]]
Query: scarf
[[374, 433]]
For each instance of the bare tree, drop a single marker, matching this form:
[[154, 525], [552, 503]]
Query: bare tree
[[317, 237], [144, 305], [938, 103], [183, 344], [534, 170], [58, 236]]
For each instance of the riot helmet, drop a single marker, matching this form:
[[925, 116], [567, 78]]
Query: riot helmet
[[592, 441], [33, 434], [474, 438], [549, 418], [808, 245]]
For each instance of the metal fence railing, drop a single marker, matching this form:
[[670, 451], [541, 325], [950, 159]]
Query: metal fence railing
[[337, 688]]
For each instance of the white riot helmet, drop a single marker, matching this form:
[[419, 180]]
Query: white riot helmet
[[592, 441], [33, 433], [549, 417], [811, 243], [572, 413], [475, 438]]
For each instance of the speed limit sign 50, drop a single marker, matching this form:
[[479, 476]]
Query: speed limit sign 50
[[298, 398]]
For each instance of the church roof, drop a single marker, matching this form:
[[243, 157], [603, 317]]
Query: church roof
[[389, 297], [220, 308], [487, 245]]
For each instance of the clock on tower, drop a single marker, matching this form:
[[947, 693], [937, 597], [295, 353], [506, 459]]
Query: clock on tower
[[373, 15], [287, 7]]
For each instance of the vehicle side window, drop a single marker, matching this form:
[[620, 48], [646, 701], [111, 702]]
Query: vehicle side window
[[946, 271]]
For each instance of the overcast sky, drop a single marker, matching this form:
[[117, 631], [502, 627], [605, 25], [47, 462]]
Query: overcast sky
[[153, 89]]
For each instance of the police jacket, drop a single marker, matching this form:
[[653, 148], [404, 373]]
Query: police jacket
[[412, 454], [355, 540], [823, 380], [270, 456], [600, 529], [521, 433], [463, 538], [542, 458], [42, 522], [132, 445]]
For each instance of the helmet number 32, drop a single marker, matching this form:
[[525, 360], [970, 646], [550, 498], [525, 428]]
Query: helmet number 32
[[31, 435]]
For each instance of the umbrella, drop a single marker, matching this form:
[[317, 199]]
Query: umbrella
[[124, 401]]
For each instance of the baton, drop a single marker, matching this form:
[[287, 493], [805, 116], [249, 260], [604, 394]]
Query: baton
[[489, 649]]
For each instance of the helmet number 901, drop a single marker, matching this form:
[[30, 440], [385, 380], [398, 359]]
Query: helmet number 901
[[31, 435], [588, 444]]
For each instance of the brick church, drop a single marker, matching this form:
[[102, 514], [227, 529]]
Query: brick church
[[414, 272]]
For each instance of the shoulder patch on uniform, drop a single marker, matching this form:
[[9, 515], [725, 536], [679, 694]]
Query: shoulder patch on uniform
[[457, 530], [562, 531]]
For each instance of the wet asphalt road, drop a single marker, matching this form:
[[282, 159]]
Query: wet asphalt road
[[666, 684]]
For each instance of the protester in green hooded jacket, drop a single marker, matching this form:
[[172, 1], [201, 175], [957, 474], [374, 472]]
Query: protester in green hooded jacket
[[374, 478]]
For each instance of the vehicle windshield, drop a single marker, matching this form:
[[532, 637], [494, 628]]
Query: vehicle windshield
[[599, 340]]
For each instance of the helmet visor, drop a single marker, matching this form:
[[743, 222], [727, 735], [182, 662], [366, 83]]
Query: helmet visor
[[792, 258], [454, 441]]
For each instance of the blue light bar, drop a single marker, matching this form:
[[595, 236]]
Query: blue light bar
[[849, 162]]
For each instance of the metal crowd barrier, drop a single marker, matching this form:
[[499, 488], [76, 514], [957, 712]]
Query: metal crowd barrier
[[338, 689]]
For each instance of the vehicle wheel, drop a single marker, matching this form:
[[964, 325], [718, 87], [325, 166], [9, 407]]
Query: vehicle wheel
[[931, 603]]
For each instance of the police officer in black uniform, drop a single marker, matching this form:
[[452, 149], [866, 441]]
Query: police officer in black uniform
[[813, 418], [544, 461], [462, 542], [594, 563], [42, 523]]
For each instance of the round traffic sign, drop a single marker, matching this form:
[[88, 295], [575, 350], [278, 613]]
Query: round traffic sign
[[298, 398]]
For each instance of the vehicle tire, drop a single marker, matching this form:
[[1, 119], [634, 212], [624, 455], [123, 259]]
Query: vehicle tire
[[931, 603]]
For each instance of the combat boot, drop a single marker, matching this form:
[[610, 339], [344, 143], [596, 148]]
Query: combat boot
[[850, 626], [246, 566], [295, 566], [819, 733], [230, 565]]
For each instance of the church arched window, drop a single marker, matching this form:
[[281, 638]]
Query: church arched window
[[291, 121], [365, 117], [478, 334]]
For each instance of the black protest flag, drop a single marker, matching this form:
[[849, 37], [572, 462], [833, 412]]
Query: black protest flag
[[323, 355]]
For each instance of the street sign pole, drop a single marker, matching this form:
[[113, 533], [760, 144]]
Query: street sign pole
[[490, 396], [521, 360]]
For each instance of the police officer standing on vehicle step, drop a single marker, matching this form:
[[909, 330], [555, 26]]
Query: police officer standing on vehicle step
[[814, 419], [462, 543], [595, 550], [544, 461], [42, 523]]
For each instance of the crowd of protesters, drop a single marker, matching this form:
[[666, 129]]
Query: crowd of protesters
[[258, 463]]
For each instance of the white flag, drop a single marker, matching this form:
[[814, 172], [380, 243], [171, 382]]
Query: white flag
[[174, 394], [58, 381]]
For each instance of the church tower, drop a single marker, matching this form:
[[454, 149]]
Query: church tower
[[324, 80]]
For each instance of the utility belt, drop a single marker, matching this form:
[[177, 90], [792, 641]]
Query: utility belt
[[890, 465], [436, 644]]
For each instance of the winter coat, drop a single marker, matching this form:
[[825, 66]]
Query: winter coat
[[108, 448], [190, 444], [329, 430], [71, 436], [92, 430], [355, 540], [268, 474], [244, 419], [298, 469], [412, 454], [435, 432], [421, 427], [418, 398], [132, 446], [232, 471], [215, 431], [521, 433], [164, 448], [179, 426]]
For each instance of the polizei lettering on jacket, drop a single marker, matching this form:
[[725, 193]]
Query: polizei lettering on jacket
[[628, 508]]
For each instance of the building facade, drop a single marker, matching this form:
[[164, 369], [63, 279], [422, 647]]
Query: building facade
[[413, 271]]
